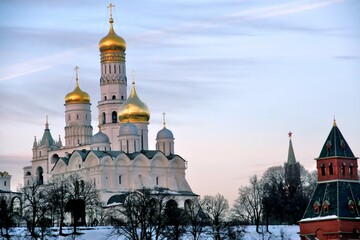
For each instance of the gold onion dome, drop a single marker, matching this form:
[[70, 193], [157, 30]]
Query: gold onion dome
[[77, 96], [112, 41], [133, 109]]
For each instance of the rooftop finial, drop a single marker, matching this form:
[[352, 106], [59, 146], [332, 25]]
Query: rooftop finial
[[46, 123], [76, 74], [334, 122], [111, 7], [290, 134], [164, 120], [133, 76]]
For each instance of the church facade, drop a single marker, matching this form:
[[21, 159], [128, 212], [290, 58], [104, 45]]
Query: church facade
[[116, 159]]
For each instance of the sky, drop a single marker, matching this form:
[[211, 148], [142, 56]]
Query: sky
[[234, 77]]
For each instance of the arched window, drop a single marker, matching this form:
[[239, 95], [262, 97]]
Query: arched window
[[351, 168], [343, 169], [120, 179], [39, 153], [114, 69], [323, 170], [105, 98], [331, 170], [103, 118], [113, 97], [39, 176], [157, 180], [114, 117], [122, 97], [77, 116]]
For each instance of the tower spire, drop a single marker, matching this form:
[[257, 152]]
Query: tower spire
[[291, 155]]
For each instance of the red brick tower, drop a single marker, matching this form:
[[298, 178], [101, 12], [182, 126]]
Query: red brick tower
[[334, 210]]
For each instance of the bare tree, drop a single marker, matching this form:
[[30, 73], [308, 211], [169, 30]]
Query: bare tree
[[36, 209], [216, 208], [141, 217], [58, 192], [196, 218], [6, 217], [81, 193], [248, 206]]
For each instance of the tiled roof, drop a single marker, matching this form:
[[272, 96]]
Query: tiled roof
[[335, 194], [335, 145]]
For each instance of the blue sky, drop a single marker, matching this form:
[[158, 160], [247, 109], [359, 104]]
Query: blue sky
[[233, 77]]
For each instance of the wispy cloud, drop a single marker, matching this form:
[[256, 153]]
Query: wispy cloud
[[37, 65], [238, 17]]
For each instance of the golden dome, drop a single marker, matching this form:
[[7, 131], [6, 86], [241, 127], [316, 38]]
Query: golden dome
[[77, 96], [133, 109], [112, 41]]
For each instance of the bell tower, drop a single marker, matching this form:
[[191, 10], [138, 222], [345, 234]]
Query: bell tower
[[113, 81]]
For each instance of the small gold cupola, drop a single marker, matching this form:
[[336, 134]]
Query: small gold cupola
[[77, 96], [112, 41], [133, 109]]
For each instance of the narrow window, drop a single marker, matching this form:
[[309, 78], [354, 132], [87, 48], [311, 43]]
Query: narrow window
[[114, 117], [94, 182], [109, 69], [157, 180], [114, 69], [103, 118], [77, 116], [113, 97], [4, 183], [39, 153], [343, 169], [351, 169], [78, 141], [331, 170], [120, 179], [105, 98], [105, 68], [86, 116], [69, 118], [323, 169], [119, 69], [122, 97], [127, 146]]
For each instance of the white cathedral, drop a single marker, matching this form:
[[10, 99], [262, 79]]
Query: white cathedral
[[116, 159]]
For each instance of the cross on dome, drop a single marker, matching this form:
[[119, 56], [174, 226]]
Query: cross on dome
[[164, 119], [76, 73], [111, 7]]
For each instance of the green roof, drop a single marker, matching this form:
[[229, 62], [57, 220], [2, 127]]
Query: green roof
[[336, 145], [337, 195]]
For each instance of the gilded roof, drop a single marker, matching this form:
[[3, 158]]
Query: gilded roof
[[133, 109], [77, 96], [112, 41]]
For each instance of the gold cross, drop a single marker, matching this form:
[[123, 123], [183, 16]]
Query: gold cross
[[111, 7], [76, 72]]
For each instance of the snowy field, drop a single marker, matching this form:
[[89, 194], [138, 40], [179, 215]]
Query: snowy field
[[104, 233]]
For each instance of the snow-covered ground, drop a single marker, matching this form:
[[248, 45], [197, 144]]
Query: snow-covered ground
[[278, 232]]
